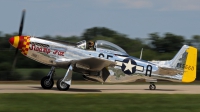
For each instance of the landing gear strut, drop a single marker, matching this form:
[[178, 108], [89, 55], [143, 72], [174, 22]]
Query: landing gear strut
[[63, 84], [152, 86], [47, 81]]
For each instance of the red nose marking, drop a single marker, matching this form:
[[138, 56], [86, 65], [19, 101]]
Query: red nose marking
[[18, 41], [11, 40]]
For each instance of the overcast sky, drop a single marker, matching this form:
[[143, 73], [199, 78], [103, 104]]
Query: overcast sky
[[135, 18]]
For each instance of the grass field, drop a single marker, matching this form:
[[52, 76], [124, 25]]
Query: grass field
[[99, 103]]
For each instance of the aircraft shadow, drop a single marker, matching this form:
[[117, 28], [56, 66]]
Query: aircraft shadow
[[161, 90], [141, 89], [72, 89], [83, 90], [100, 90]]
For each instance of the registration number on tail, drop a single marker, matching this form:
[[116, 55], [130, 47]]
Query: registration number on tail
[[184, 66]]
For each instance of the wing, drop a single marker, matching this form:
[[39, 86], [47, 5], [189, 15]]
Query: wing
[[91, 64]]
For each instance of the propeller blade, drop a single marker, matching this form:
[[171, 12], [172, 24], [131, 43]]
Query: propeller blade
[[22, 23], [20, 33], [15, 59]]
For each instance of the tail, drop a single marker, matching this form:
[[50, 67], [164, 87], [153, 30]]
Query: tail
[[186, 60]]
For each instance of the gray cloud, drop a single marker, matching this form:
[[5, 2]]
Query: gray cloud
[[181, 5], [168, 5], [136, 3]]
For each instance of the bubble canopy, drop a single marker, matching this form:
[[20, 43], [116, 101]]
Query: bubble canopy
[[108, 45], [101, 44]]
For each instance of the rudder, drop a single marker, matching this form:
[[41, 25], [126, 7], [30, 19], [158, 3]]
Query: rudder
[[189, 74]]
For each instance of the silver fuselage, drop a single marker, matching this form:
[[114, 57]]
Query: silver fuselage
[[126, 68]]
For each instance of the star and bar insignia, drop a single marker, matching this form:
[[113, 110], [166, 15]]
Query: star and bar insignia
[[129, 66]]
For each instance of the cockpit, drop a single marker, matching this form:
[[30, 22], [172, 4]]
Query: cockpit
[[101, 45], [81, 44]]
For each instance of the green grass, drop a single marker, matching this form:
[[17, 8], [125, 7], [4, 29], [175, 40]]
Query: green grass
[[99, 103]]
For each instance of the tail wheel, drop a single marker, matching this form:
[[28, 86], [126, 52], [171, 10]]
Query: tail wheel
[[47, 83], [152, 86], [61, 85]]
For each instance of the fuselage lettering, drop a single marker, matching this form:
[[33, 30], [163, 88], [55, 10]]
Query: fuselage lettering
[[44, 48], [109, 56], [60, 53], [101, 55], [40, 49], [148, 70]]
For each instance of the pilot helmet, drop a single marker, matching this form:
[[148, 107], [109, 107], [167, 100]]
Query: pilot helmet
[[91, 43]]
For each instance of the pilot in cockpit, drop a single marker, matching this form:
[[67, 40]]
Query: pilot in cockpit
[[91, 45]]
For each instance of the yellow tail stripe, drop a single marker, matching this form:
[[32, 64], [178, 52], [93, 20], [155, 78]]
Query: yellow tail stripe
[[16, 41], [189, 74]]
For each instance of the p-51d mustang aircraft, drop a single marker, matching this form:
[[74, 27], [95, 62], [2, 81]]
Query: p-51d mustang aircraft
[[103, 61]]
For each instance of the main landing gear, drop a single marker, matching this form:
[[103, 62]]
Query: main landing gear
[[63, 84], [47, 81], [152, 86]]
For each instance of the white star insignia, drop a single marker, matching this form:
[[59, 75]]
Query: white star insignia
[[129, 66]]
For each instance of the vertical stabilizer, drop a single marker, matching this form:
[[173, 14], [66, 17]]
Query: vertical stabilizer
[[186, 61], [180, 57]]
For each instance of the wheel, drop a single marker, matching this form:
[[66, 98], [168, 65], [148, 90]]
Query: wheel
[[152, 86], [46, 83], [62, 85]]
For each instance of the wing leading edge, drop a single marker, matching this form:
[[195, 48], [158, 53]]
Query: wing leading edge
[[91, 64]]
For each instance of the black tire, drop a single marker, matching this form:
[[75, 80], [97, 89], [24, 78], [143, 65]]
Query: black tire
[[62, 86], [152, 86], [46, 84]]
